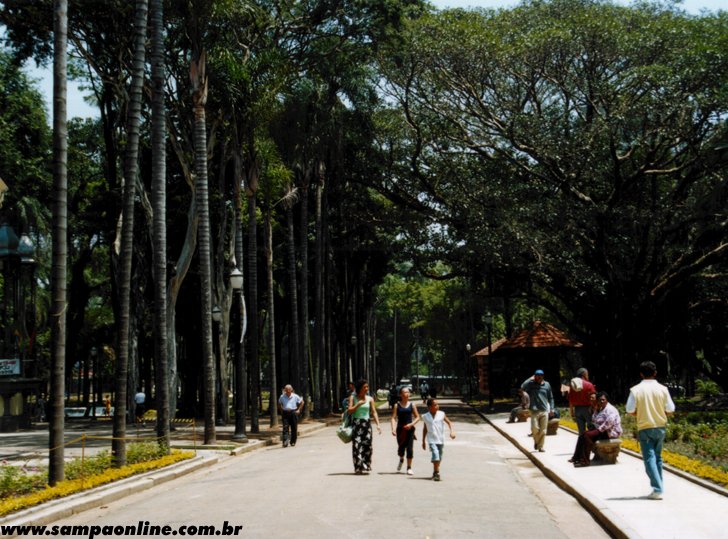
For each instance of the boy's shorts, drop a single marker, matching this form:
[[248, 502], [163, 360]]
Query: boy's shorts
[[436, 451]]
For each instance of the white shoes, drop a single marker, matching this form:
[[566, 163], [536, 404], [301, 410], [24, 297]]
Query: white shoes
[[410, 472], [654, 495]]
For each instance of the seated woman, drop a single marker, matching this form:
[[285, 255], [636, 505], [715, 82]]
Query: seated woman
[[607, 424]]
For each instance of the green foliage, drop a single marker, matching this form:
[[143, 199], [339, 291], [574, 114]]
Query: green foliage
[[572, 144], [144, 451], [707, 388], [91, 465], [16, 480]]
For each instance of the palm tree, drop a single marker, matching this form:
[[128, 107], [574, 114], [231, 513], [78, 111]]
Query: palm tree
[[198, 78], [60, 245], [251, 189], [305, 335], [131, 170], [159, 199], [294, 346]]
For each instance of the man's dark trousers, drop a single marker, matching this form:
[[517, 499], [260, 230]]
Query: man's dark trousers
[[290, 423]]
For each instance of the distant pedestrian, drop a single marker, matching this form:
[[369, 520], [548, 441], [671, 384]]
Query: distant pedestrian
[[580, 405], [542, 407], [404, 418], [289, 405], [107, 405], [41, 408], [139, 399], [424, 391], [650, 401], [433, 434], [523, 406], [350, 390], [361, 409]]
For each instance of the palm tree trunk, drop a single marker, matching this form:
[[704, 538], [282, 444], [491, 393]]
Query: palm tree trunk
[[253, 305], [241, 372], [294, 342], [159, 202], [319, 346], [199, 84], [305, 334], [60, 246], [131, 169], [273, 399]]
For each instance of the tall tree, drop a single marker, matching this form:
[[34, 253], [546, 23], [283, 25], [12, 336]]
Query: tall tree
[[159, 201], [577, 144], [60, 247], [198, 77], [131, 170], [251, 189]]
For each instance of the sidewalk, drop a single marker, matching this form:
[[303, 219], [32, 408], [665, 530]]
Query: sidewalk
[[615, 494]]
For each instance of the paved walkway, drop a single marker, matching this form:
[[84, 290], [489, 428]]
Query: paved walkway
[[615, 494]]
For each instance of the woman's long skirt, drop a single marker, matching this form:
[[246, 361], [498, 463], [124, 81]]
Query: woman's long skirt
[[361, 445]]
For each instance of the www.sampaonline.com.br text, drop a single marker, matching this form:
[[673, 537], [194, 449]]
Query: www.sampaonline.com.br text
[[141, 529]]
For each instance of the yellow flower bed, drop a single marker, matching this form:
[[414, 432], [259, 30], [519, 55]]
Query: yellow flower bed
[[681, 462], [66, 488]]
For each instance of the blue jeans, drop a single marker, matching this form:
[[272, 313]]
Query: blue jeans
[[651, 441]]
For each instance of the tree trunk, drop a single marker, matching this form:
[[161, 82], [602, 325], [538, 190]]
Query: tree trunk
[[294, 342], [273, 398], [319, 346], [159, 203], [199, 83], [305, 334], [241, 372], [131, 169], [253, 300], [60, 246]]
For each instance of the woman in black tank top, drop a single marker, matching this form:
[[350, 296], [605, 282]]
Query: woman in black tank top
[[404, 416]]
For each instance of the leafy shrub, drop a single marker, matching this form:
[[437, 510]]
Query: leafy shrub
[[17, 481], [88, 466], [144, 451]]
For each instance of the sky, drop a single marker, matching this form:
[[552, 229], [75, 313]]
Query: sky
[[78, 108]]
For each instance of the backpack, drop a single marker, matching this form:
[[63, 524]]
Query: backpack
[[576, 384]]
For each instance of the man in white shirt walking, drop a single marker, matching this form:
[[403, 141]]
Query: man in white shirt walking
[[290, 406], [650, 401]]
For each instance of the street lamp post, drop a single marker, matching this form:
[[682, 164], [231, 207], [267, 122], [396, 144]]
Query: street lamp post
[[467, 372], [489, 325], [236, 282]]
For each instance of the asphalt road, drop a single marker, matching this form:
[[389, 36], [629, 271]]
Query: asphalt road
[[488, 489]]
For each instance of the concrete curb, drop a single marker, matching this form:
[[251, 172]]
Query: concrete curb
[[615, 525]]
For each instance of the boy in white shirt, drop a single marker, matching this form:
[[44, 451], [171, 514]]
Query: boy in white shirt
[[433, 434]]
